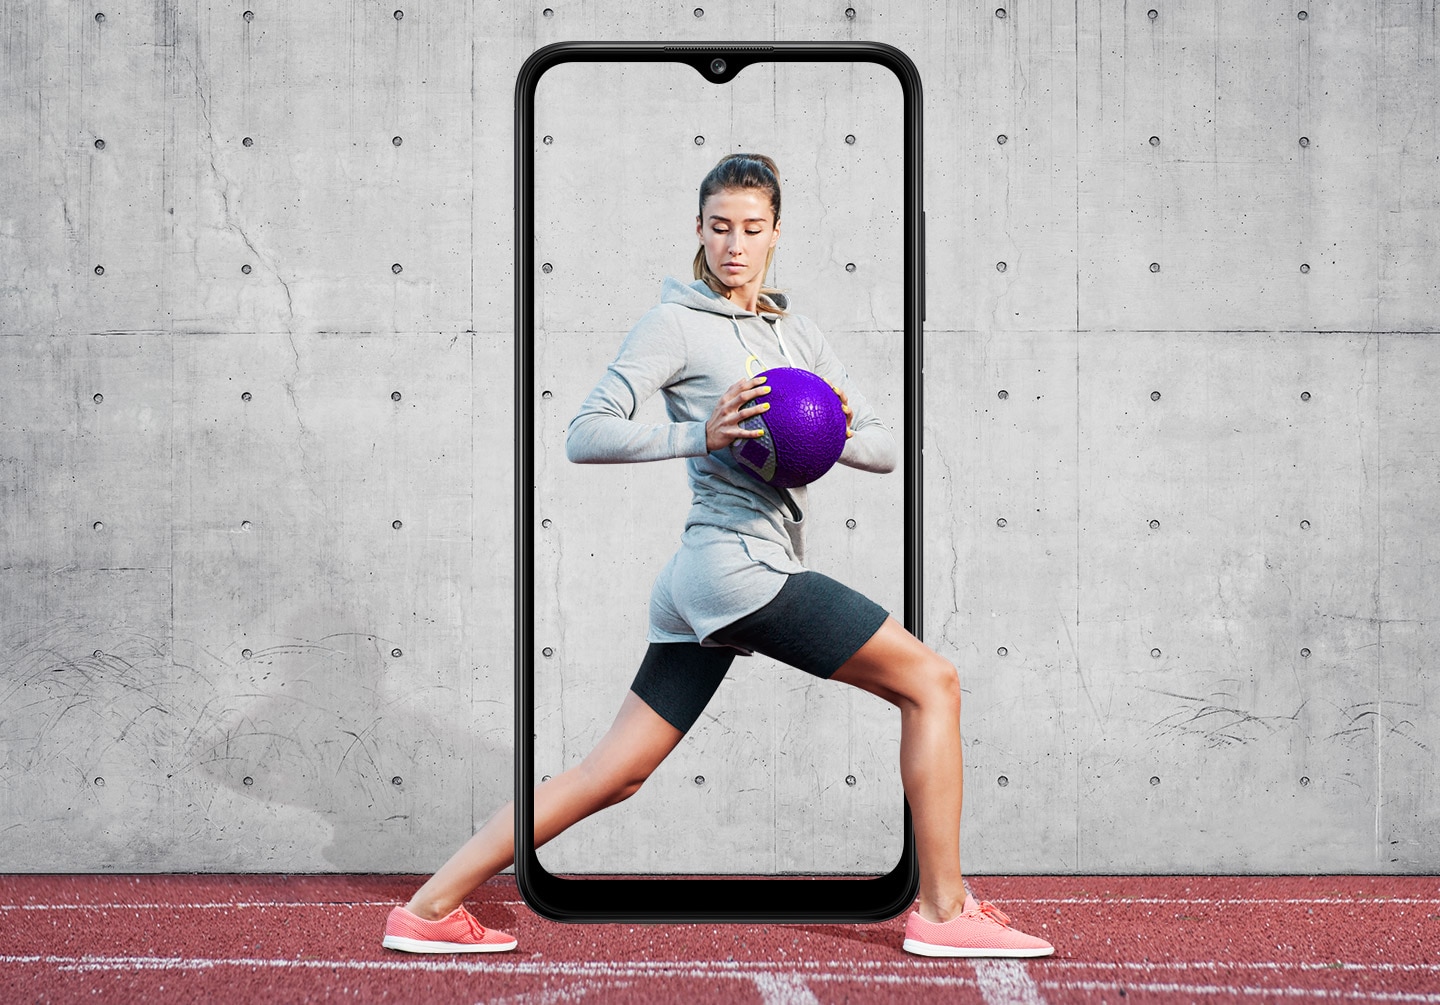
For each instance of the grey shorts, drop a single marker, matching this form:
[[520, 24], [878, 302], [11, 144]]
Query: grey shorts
[[814, 624]]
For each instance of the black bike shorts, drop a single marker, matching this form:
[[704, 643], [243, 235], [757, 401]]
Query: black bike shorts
[[814, 624]]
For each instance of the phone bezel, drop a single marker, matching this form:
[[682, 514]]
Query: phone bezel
[[722, 898]]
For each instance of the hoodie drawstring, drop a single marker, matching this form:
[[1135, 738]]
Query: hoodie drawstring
[[746, 345], [785, 496]]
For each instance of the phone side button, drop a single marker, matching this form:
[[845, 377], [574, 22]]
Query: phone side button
[[922, 266]]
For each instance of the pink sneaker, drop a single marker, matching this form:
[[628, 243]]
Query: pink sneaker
[[980, 930], [457, 932]]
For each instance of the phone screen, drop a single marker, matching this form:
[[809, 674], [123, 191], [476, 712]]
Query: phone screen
[[785, 778]]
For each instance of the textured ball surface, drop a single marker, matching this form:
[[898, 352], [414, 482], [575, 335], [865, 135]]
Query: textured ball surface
[[804, 430]]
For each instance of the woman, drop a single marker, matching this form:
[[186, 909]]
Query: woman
[[737, 582]]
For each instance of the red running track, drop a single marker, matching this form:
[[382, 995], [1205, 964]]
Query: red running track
[[1118, 939]]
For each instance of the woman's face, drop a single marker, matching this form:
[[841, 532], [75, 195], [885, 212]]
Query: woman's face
[[738, 230]]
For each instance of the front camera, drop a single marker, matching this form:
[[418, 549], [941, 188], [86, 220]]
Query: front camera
[[717, 66]]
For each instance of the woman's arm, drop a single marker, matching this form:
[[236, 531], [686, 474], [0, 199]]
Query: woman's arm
[[604, 432]]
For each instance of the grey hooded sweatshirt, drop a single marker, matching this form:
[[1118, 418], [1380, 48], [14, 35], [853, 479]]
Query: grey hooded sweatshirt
[[742, 538]]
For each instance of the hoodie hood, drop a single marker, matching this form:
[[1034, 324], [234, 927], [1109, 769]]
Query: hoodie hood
[[700, 297]]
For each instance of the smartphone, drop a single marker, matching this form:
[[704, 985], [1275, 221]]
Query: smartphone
[[783, 802]]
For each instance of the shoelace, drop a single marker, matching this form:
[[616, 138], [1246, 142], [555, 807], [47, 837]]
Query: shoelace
[[476, 929], [994, 913]]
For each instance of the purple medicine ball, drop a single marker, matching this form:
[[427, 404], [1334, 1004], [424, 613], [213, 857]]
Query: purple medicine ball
[[804, 430]]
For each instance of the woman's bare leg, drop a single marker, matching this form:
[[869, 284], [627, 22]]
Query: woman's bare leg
[[905, 672], [635, 745]]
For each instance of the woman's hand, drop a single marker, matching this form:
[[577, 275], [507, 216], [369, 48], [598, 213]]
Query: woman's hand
[[845, 404], [735, 406]]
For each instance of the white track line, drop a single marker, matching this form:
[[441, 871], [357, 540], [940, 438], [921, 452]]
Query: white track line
[[779, 986], [1006, 982], [782, 983], [776, 984], [216, 906], [784, 989], [1231, 991], [1317, 901], [1087, 901], [1275, 967]]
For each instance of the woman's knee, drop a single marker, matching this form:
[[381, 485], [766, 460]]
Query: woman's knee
[[940, 680]]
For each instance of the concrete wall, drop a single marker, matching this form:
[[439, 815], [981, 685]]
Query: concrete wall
[[255, 585]]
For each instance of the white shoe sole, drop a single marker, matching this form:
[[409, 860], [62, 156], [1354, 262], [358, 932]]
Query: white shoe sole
[[930, 949], [405, 945]]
